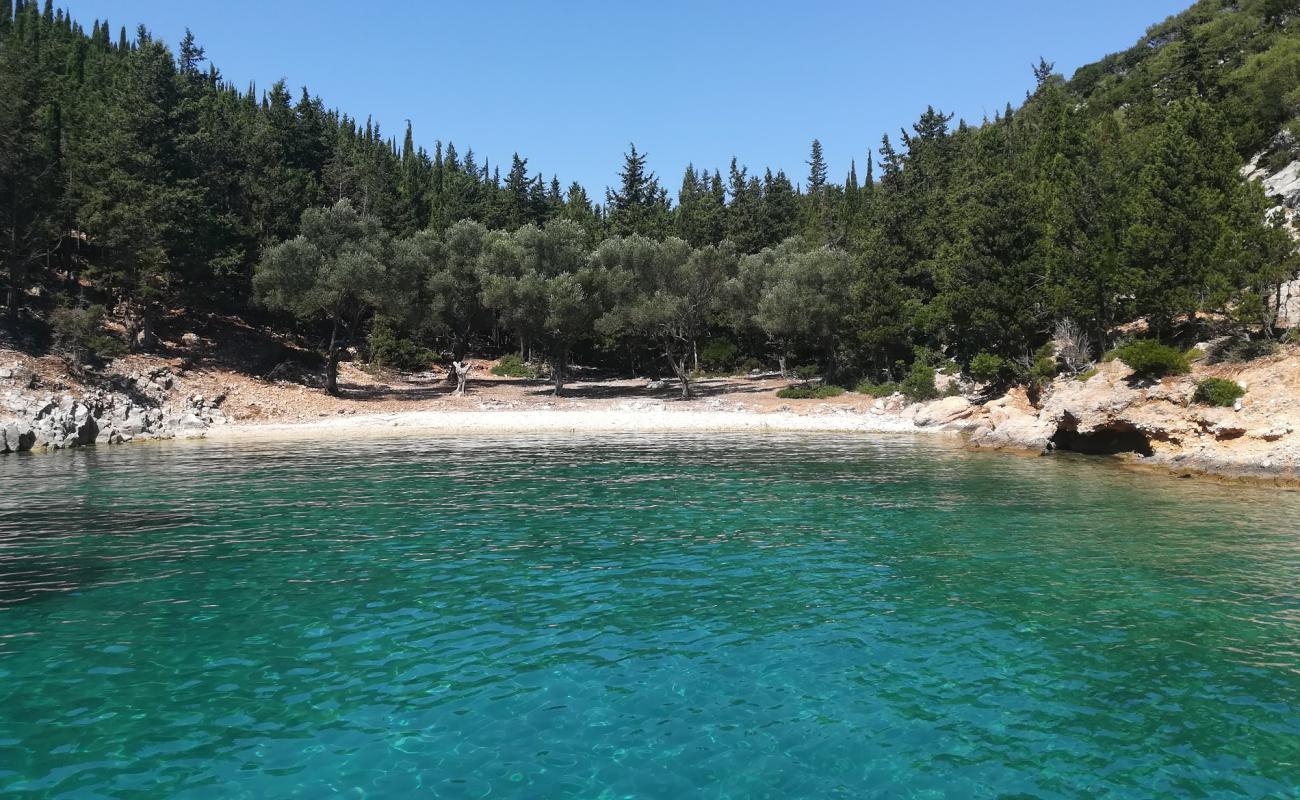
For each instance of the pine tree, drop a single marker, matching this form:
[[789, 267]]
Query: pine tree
[[514, 203], [639, 205]]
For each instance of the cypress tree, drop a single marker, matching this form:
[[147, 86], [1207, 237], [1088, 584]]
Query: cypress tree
[[817, 170]]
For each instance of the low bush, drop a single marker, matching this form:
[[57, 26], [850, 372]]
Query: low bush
[[512, 366], [877, 389], [749, 365], [1218, 392], [809, 392], [79, 336], [807, 372], [919, 386], [719, 355], [388, 348], [1083, 377], [986, 367], [1042, 371], [1150, 359]]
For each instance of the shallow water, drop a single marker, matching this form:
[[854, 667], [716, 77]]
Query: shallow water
[[722, 616]]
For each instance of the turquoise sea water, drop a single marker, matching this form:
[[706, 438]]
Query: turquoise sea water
[[731, 616]]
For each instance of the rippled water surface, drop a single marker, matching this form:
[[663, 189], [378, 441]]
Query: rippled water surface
[[758, 616]]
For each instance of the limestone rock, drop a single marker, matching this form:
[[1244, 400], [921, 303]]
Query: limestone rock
[[943, 412]]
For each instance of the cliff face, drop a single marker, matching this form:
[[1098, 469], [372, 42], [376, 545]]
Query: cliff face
[[1157, 422], [1283, 187]]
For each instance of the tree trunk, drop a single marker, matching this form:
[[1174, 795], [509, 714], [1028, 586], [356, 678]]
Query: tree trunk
[[461, 371], [695, 352], [780, 362], [11, 301], [679, 367], [332, 362], [558, 364], [148, 339]]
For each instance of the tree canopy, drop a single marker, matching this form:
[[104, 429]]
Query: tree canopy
[[137, 178]]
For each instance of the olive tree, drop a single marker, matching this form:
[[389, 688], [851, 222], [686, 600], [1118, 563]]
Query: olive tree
[[340, 268], [544, 288], [664, 292], [803, 302], [453, 282], [795, 297]]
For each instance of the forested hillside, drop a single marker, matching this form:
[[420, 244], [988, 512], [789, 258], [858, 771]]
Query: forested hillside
[[136, 185]]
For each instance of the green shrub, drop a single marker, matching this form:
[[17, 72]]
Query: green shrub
[[1083, 377], [986, 367], [512, 366], [926, 356], [1217, 392], [719, 355], [809, 392], [1043, 370], [1292, 336], [807, 372], [79, 335], [1278, 160], [877, 389], [1150, 359], [919, 385], [750, 364], [389, 348]]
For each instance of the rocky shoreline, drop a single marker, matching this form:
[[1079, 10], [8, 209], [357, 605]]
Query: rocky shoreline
[[1147, 423], [138, 407], [1157, 424]]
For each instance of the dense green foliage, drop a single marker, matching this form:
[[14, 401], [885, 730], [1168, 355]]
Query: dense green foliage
[[809, 392], [877, 389], [135, 177], [79, 335], [986, 367], [919, 384], [1218, 392], [1151, 359], [389, 348]]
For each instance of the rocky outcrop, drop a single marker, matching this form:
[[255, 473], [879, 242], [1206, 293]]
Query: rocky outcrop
[[1012, 422], [1157, 422], [949, 411], [129, 408]]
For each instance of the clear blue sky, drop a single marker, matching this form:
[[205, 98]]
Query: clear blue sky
[[569, 84]]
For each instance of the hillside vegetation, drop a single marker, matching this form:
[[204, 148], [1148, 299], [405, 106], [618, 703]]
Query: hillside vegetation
[[137, 186]]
